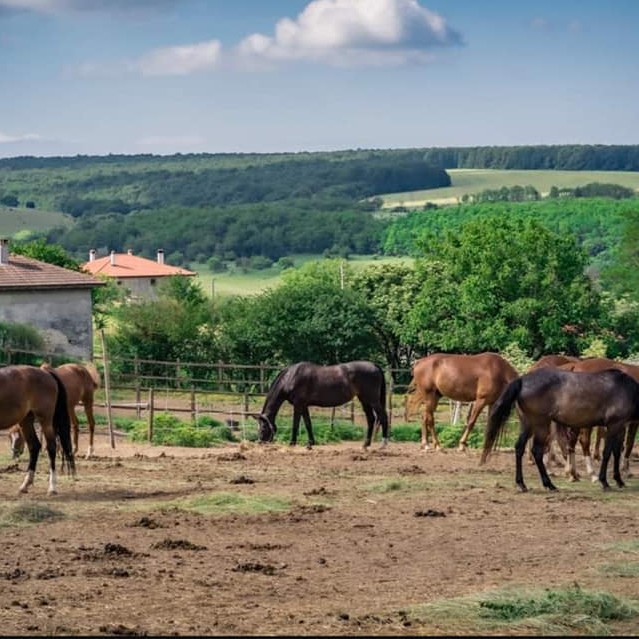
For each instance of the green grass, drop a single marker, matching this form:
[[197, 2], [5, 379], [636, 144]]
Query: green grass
[[29, 513], [568, 610], [18, 220], [230, 503], [620, 569], [236, 282], [468, 181]]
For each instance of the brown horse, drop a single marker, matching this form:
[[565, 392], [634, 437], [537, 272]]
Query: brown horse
[[80, 382], [595, 365], [575, 400], [464, 378], [28, 393]]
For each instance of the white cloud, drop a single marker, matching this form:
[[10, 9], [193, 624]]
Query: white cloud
[[353, 32], [11, 139], [180, 60]]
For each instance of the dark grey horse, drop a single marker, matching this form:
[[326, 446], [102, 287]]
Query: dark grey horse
[[306, 384], [609, 398]]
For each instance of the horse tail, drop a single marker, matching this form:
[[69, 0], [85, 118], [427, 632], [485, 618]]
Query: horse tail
[[499, 414], [382, 389], [62, 423], [94, 374]]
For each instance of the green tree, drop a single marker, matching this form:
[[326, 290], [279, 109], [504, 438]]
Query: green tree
[[499, 281], [389, 290], [47, 252]]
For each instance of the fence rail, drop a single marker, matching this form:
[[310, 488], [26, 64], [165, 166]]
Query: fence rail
[[147, 387]]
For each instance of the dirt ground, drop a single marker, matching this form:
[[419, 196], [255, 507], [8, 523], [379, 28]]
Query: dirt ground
[[170, 541]]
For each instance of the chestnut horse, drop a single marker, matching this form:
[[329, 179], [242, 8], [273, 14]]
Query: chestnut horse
[[306, 384], [80, 382], [593, 365], [464, 378], [28, 393], [608, 398]]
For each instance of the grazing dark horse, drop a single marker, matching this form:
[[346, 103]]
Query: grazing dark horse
[[305, 384], [593, 365], [80, 382], [28, 393], [573, 400], [464, 378]]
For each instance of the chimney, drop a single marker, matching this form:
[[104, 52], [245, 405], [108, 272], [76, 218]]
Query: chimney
[[4, 251], [129, 252], [160, 256], [112, 258], [92, 255]]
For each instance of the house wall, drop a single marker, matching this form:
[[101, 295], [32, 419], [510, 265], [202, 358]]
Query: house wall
[[140, 287], [63, 316]]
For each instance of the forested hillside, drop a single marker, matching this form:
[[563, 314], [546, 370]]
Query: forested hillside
[[228, 206]]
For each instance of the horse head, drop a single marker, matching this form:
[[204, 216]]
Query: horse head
[[266, 429]]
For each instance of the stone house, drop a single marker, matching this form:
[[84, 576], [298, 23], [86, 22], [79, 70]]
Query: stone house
[[138, 274], [55, 300]]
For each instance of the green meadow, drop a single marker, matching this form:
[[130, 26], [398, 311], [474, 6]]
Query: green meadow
[[469, 181]]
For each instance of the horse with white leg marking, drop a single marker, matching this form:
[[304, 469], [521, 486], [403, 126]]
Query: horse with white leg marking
[[306, 384], [28, 393], [609, 398]]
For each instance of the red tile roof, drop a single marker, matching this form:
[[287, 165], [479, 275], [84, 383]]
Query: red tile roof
[[132, 266], [25, 273]]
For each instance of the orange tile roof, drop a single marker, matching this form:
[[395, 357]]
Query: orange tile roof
[[26, 273], [132, 266]]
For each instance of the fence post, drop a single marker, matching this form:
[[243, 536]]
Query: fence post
[[107, 387], [193, 404], [262, 378], [151, 411], [352, 412], [136, 371], [390, 401], [246, 402]]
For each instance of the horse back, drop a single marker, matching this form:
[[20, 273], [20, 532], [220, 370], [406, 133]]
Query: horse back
[[23, 390]]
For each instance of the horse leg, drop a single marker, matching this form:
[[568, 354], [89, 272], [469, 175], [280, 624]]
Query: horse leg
[[608, 448], [520, 448], [478, 405], [585, 437], [297, 413], [75, 428], [382, 419], [370, 423], [616, 457], [428, 422], [88, 409], [33, 445], [51, 441], [572, 436], [631, 433], [538, 452], [309, 428], [601, 434]]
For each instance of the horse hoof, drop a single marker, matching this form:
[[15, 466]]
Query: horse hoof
[[620, 484], [52, 492], [521, 488], [594, 479], [551, 488]]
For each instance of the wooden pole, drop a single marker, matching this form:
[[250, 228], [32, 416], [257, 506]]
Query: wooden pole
[[107, 387], [151, 411]]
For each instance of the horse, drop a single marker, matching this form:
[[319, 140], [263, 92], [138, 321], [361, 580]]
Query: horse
[[80, 382], [28, 393], [593, 365], [574, 400], [555, 361], [464, 378], [306, 384]]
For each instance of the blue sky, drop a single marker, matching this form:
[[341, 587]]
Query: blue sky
[[166, 76]]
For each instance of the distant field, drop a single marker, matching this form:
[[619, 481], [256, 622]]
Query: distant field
[[14, 220], [253, 282], [467, 181]]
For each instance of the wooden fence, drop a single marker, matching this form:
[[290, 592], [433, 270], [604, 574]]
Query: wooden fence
[[142, 388]]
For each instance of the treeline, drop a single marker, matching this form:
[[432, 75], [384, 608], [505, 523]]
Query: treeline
[[348, 180], [567, 157], [272, 230], [597, 224], [530, 193]]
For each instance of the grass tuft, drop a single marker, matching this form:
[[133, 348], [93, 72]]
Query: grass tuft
[[30, 513]]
